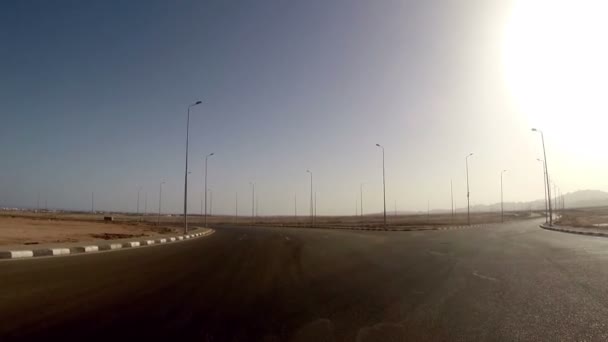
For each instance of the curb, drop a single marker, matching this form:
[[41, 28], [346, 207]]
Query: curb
[[563, 230], [413, 229], [58, 251]]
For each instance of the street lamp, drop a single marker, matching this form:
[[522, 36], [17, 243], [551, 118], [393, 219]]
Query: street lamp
[[252, 202], [466, 160], [160, 199], [186, 171], [312, 218], [452, 199], [210, 202], [206, 157], [542, 137], [545, 188], [361, 195], [383, 182], [502, 210], [138, 192]]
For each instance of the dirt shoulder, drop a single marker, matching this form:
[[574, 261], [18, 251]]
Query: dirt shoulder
[[32, 231], [590, 218]]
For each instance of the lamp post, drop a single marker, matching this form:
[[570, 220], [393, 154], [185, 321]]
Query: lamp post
[[138, 192], [542, 137], [452, 199], [361, 200], [545, 190], [252, 202], [502, 210], [466, 160], [206, 158], [160, 200], [383, 182], [210, 203], [186, 171], [236, 207], [312, 218]]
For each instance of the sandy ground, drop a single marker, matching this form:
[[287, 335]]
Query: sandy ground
[[20, 230], [585, 217]]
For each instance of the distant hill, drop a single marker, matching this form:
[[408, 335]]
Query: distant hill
[[577, 199]]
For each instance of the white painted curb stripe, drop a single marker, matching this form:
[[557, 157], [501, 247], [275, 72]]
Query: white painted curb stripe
[[88, 249], [94, 248], [22, 254], [60, 251]]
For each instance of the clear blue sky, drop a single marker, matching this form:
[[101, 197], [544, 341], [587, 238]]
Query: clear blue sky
[[94, 94]]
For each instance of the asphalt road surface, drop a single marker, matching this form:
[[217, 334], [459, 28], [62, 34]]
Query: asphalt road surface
[[511, 282]]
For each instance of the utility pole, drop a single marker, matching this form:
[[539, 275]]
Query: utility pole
[[295, 208], [92, 202], [236, 207]]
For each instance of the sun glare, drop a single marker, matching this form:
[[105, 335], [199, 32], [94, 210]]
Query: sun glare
[[555, 62]]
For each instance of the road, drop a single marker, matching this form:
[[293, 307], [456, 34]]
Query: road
[[511, 282]]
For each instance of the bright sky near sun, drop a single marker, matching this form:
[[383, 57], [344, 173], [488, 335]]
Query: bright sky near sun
[[94, 96]]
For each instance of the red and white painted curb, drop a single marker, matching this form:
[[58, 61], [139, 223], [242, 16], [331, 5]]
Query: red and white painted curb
[[89, 248]]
